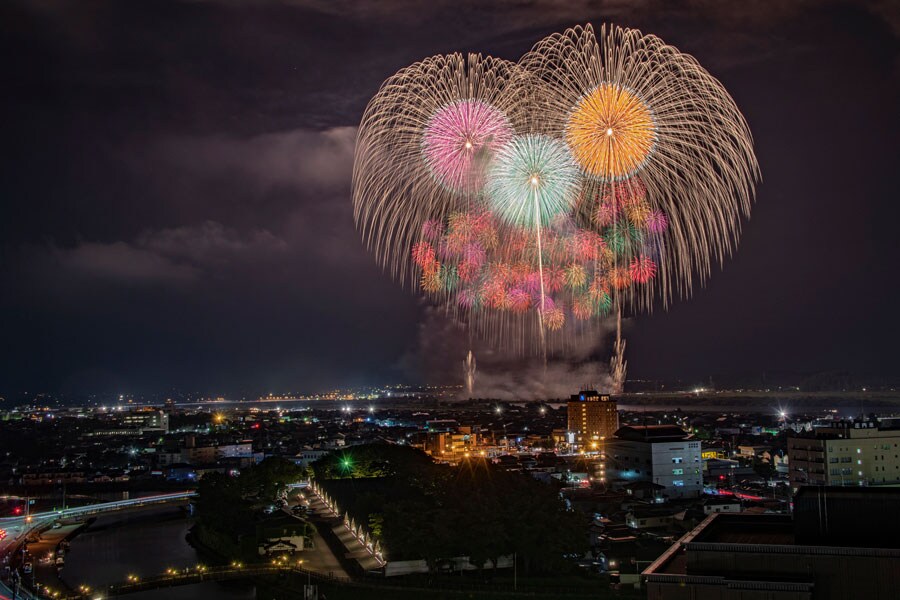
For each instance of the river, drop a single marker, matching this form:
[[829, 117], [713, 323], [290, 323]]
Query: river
[[142, 543]]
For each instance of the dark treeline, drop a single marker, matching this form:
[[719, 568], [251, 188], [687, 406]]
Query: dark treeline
[[419, 509]]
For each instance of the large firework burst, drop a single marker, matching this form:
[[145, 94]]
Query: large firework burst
[[596, 175], [532, 180], [633, 109], [424, 144]]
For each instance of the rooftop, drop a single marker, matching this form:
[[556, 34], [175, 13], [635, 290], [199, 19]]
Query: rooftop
[[651, 433]]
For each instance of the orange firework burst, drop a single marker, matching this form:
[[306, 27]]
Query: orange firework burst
[[431, 280], [610, 132], [621, 278], [575, 276], [555, 319], [638, 212], [582, 307]]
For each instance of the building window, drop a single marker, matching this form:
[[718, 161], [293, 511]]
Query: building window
[[678, 483], [677, 471], [677, 460]]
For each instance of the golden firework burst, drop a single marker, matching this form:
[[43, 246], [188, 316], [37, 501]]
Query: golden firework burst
[[610, 132]]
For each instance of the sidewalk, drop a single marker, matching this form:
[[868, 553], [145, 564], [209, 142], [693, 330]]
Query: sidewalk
[[354, 549], [321, 559]]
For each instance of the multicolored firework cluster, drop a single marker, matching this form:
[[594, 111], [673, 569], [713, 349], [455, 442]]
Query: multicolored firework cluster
[[596, 174]]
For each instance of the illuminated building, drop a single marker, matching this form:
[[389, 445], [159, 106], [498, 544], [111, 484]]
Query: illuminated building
[[592, 418], [846, 453], [146, 420], [662, 454]]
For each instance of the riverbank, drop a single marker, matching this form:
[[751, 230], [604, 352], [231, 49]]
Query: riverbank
[[47, 556], [143, 544]]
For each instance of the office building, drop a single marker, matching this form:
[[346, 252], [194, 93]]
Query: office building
[[146, 420], [662, 454], [862, 452]]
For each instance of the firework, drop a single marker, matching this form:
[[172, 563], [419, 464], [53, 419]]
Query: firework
[[610, 131], [457, 139], [532, 180], [642, 269], [422, 147], [643, 119], [601, 173]]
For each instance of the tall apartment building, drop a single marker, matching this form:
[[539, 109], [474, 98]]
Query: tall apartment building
[[846, 453], [592, 418]]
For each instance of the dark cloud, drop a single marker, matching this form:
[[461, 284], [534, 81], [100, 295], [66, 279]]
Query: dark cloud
[[167, 257]]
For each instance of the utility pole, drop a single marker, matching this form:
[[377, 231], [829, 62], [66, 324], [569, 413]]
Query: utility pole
[[515, 572]]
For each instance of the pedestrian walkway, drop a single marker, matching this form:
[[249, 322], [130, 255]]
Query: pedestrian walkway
[[320, 559], [355, 549]]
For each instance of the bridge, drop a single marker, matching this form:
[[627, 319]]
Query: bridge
[[14, 530]]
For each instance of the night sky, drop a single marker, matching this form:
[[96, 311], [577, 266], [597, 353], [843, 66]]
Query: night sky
[[175, 191]]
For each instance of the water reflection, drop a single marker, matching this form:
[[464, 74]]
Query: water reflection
[[143, 543]]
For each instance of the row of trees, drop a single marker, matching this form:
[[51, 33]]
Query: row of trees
[[227, 503], [418, 509]]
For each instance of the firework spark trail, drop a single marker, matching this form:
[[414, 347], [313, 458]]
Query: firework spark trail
[[600, 173]]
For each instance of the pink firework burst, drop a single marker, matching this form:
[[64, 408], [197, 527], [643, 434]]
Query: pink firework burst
[[656, 221], [432, 229], [605, 214], [532, 282], [519, 300], [642, 269], [467, 271], [549, 304], [554, 279], [587, 245], [460, 138], [468, 297], [474, 254]]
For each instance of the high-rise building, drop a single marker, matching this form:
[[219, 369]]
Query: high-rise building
[[592, 418], [846, 453]]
